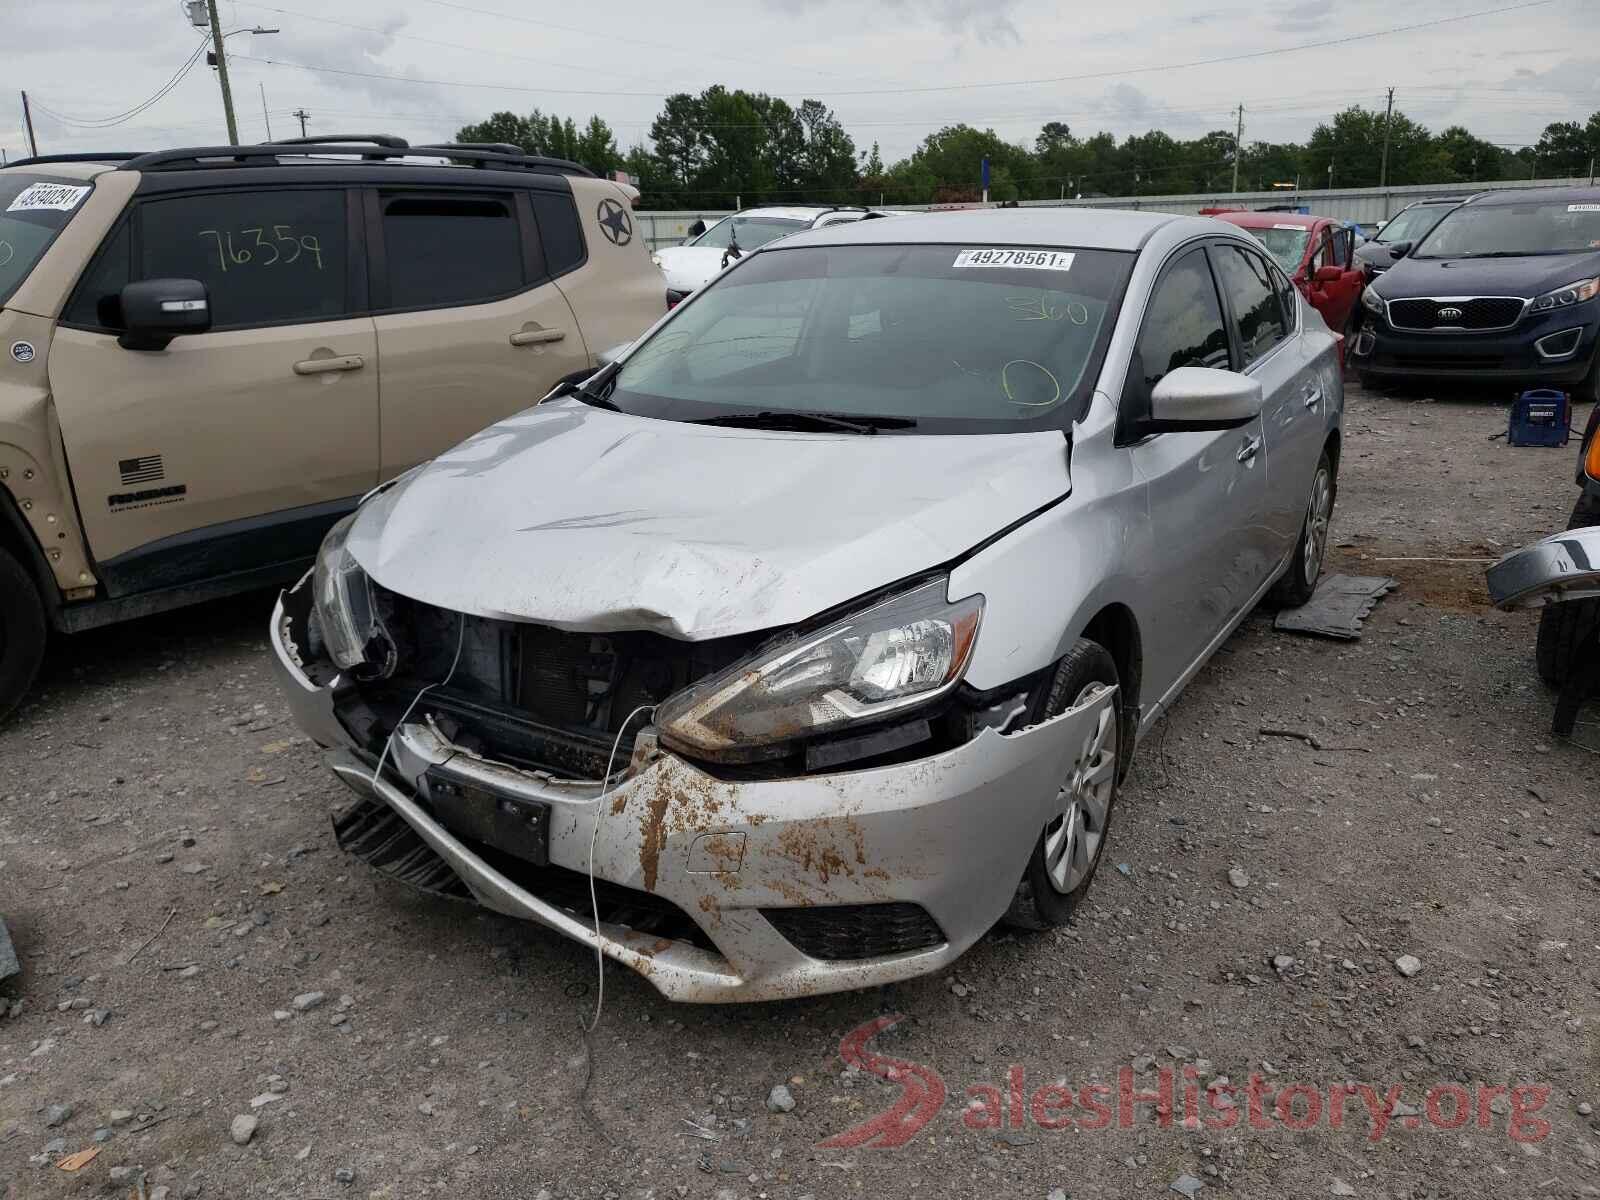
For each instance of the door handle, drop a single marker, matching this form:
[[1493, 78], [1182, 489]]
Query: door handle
[[537, 337], [1313, 397], [1250, 449], [339, 362]]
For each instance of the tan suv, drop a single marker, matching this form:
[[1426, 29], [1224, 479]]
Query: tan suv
[[211, 354]]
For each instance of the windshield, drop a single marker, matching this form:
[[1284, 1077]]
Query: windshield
[[1286, 243], [1412, 223], [1506, 230], [33, 209], [955, 338], [752, 231]]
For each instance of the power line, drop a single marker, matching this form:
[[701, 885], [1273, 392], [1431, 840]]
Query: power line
[[108, 122], [898, 91]]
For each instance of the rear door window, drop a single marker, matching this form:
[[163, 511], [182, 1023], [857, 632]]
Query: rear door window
[[444, 251], [266, 257], [1248, 283]]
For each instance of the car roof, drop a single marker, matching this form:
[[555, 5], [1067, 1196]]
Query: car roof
[[1270, 220], [65, 170], [792, 212], [1553, 195], [1085, 228]]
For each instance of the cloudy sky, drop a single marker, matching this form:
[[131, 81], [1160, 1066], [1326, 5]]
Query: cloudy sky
[[893, 70]]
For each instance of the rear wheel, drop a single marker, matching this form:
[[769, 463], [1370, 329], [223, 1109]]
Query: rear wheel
[[22, 632], [1563, 627], [1300, 581], [1069, 848]]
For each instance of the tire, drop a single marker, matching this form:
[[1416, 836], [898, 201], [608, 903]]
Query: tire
[[1300, 580], [22, 633], [1057, 875], [1562, 627]]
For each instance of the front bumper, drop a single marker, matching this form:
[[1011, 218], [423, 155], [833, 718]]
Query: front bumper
[[1564, 566], [950, 833], [1508, 356]]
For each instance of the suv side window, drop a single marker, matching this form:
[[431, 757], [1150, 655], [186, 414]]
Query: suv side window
[[559, 231], [1183, 327], [96, 304], [1341, 248], [1247, 281], [442, 251], [267, 257]]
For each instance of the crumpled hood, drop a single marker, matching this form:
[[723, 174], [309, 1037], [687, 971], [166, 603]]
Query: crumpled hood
[[1526, 277], [689, 268], [581, 518]]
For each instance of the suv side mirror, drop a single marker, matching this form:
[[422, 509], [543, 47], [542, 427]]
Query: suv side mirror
[[1329, 274], [1203, 398], [697, 229], [1399, 250], [154, 311]]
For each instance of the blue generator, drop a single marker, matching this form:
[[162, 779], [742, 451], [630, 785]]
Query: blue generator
[[1540, 417]]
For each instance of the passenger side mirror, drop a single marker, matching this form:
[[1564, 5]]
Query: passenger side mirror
[[1399, 249], [154, 311], [1329, 274], [696, 229], [1202, 398]]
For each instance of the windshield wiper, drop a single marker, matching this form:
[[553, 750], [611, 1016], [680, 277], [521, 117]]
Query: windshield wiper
[[586, 392], [784, 419]]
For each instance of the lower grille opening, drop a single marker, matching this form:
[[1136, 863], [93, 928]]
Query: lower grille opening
[[380, 837], [852, 932]]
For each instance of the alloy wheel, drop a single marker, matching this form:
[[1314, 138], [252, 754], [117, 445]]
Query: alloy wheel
[[1072, 839], [1318, 513]]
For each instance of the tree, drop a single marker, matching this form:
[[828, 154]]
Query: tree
[[500, 127], [1564, 149], [1353, 144], [1465, 157]]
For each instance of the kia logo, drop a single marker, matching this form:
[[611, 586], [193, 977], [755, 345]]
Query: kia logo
[[1450, 313]]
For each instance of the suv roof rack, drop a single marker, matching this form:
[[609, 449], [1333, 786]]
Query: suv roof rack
[[377, 139], [81, 156], [367, 145]]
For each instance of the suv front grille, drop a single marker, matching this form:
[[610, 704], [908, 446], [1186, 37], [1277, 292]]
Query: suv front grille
[[851, 932], [1480, 314]]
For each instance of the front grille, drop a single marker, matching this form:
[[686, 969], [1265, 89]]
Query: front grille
[[851, 932], [1478, 314], [1448, 362]]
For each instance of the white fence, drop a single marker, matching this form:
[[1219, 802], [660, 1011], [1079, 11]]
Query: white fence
[[1365, 206]]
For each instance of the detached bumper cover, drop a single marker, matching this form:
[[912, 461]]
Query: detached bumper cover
[[950, 834], [1564, 566]]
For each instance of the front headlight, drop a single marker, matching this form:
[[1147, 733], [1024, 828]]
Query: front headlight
[[901, 652], [1572, 293], [656, 259], [1372, 301], [351, 628]]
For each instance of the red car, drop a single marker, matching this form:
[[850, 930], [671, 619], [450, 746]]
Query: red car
[[1318, 254]]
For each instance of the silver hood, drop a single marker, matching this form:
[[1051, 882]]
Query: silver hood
[[689, 268], [581, 518]]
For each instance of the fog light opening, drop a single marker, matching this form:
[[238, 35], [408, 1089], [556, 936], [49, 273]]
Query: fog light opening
[[1559, 345]]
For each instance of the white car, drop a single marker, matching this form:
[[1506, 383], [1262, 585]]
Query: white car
[[709, 250]]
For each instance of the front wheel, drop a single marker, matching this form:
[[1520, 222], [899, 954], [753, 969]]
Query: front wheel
[[1069, 848], [22, 632], [1298, 584]]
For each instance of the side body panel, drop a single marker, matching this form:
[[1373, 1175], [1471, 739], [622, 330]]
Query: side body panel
[[618, 293]]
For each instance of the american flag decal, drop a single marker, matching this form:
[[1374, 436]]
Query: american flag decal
[[141, 470]]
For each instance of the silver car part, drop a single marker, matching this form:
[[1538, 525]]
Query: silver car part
[[1564, 566]]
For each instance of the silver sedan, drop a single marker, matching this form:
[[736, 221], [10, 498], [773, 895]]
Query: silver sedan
[[815, 635]]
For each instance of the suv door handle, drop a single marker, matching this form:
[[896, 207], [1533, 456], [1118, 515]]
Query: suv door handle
[[536, 337], [341, 362], [1250, 449], [1313, 397]]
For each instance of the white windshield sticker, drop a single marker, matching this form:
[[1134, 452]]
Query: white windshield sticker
[[58, 197], [1033, 260], [1300, 228], [1583, 208]]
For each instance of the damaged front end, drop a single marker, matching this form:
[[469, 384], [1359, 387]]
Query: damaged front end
[[809, 812]]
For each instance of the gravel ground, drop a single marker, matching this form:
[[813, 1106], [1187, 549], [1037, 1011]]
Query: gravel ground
[[196, 950]]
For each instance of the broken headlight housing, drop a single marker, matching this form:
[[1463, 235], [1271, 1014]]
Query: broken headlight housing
[[897, 653], [352, 630]]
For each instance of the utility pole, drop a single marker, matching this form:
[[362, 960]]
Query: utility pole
[[1330, 174], [264, 115], [1591, 170], [302, 116], [27, 116], [222, 72], [1383, 167], [1238, 147]]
